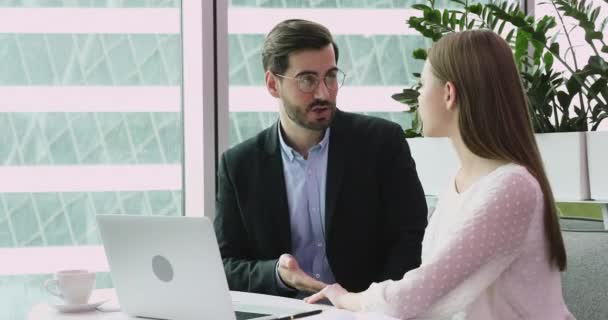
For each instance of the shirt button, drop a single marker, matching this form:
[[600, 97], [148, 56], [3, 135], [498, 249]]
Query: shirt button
[[320, 244], [317, 276]]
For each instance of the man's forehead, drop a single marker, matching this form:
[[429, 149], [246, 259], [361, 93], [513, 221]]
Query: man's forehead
[[312, 60]]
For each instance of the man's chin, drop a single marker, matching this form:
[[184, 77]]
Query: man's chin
[[318, 125]]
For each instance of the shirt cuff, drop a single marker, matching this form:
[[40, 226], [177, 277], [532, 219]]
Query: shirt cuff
[[280, 283]]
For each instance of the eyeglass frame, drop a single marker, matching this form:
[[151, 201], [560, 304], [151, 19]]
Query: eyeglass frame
[[298, 80]]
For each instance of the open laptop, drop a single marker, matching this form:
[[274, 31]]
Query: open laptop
[[168, 268]]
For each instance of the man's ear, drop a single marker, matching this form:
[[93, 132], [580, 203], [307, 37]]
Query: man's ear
[[450, 96], [272, 84]]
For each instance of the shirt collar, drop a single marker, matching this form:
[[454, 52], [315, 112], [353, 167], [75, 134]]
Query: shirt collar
[[291, 153]]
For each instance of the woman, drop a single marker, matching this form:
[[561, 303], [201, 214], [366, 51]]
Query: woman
[[493, 247]]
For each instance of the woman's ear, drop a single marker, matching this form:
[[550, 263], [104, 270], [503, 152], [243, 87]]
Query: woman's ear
[[450, 96], [272, 84]]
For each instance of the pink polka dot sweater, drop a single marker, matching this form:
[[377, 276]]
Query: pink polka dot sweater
[[484, 256]]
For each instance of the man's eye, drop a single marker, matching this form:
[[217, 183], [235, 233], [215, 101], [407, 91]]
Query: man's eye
[[308, 81]]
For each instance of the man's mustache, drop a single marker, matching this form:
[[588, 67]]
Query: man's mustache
[[320, 103]]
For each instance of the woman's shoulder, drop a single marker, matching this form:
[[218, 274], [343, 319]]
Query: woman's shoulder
[[509, 180], [515, 174], [506, 193]]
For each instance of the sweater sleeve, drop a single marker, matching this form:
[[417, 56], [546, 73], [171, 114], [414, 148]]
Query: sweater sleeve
[[494, 230]]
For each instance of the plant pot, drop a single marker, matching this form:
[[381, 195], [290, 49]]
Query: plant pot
[[436, 163], [565, 158], [597, 159]]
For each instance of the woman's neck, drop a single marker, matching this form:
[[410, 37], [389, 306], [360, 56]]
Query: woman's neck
[[473, 166]]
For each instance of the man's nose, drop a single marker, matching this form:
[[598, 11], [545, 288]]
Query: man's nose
[[322, 91]]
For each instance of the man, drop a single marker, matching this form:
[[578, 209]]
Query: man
[[322, 196]]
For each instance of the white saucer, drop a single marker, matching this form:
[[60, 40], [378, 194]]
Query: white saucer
[[69, 308]]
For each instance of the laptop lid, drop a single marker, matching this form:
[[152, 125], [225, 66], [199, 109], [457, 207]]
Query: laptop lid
[[166, 267]]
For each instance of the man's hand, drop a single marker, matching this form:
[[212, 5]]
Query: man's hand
[[293, 276]]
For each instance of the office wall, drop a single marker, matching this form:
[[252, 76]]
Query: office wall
[[90, 123]]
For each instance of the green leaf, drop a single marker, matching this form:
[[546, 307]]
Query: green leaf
[[459, 2], [544, 24], [494, 23], [433, 16], [546, 108], [453, 20], [595, 111], [484, 13], [436, 37], [597, 35], [414, 22], [408, 96], [538, 52], [421, 7], [604, 24], [539, 36], [509, 36], [471, 24], [598, 121], [476, 8], [554, 48], [598, 64], [411, 133], [590, 36], [419, 54], [502, 26], [461, 23], [605, 49], [573, 86], [600, 87], [594, 14], [564, 99], [548, 60], [521, 45]]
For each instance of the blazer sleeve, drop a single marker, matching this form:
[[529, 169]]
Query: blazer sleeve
[[404, 207], [243, 271]]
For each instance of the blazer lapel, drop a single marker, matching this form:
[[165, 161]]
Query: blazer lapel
[[335, 169], [273, 184]]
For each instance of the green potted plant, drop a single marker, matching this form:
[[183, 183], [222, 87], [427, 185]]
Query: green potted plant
[[567, 97]]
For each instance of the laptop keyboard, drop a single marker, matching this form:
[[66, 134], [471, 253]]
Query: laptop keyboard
[[240, 315]]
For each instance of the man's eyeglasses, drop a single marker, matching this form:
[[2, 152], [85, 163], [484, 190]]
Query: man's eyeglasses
[[309, 82]]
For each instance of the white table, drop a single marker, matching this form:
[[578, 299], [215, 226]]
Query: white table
[[45, 312]]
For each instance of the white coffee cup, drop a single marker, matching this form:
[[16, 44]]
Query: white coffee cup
[[72, 286]]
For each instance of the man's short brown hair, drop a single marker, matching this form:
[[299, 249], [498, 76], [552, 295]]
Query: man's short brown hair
[[290, 36]]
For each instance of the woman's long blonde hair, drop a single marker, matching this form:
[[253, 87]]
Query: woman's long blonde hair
[[494, 118]]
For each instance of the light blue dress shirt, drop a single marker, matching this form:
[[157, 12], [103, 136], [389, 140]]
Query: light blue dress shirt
[[305, 182]]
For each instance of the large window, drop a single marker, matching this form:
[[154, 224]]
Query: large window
[[90, 123]]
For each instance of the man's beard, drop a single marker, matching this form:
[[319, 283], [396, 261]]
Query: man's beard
[[299, 116]]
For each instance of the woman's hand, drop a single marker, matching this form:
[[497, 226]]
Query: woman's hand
[[338, 296]]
